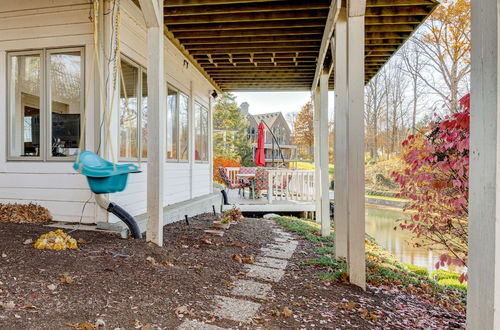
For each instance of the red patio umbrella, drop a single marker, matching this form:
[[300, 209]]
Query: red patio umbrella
[[259, 159]]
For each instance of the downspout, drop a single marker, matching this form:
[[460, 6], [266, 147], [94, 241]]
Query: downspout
[[120, 213]]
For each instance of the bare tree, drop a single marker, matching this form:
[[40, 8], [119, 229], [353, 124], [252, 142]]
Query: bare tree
[[375, 93]]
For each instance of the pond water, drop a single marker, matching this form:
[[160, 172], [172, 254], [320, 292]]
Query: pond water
[[380, 224]]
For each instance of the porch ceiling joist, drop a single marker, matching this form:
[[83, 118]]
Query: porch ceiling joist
[[276, 44]]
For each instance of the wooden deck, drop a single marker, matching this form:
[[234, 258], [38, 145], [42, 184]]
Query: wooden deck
[[262, 204]]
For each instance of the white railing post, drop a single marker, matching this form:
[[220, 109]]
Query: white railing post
[[270, 192]]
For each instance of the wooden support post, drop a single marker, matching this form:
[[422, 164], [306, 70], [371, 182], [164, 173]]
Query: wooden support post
[[323, 155], [483, 293], [356, 146], [341, 115], [156, 119], [317, 164]]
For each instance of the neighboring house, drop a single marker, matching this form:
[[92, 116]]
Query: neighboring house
[[283, 136]]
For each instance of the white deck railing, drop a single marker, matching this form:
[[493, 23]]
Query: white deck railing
[[232, 174], [297, 185]]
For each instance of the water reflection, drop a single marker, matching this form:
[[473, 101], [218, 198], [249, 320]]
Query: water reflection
[[380, 224]]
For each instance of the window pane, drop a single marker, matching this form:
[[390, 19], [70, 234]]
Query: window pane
[[24, 105], [144, 116], [183, 127], [172, 133], [197, 131], [204, 133], [65, 74], [129, 119]]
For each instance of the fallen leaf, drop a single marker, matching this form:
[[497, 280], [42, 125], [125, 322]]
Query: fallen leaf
[[229, 284], [28, 241], [51, 287], [237, 258], [82, 241], [81, 326], [29, 306], [287, 312], [151, 260], [238, 244], [8, 305], [146, 326], [66, 279], [219, 243], [184, 246], [207, 240]]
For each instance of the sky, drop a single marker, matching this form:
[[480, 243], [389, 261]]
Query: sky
[[263, 102]]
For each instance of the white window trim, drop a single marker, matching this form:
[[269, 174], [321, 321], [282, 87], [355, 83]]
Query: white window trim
[[45, 107], [207, 161], [178, 100], [140, 71]]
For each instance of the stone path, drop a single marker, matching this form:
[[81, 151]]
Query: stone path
[[268, 268]]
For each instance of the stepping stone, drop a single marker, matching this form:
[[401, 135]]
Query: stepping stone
[[283, 246], [235, 309], [197, 325], [271, 262], [251, 289], [265, 273], [277, 253], [283, 240]]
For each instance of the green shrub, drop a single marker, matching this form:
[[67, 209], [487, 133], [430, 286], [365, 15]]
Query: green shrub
[[419, 270], [453, 283], [442, 274]]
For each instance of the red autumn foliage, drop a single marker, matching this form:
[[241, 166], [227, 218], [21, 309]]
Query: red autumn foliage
[[224, 162], [436, 182]]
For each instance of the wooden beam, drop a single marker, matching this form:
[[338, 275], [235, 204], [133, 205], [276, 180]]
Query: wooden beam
[[262, 46], [483, 290], [244, 8], [251, 40], [151, 12], [156, 136], [356, 145], [248, 17], [340, 158], [183, 3], [333, 13], [228, 34], [247, 50], [235, 27]]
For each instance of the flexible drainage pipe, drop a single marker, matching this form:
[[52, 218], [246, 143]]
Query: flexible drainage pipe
[[120, 213]]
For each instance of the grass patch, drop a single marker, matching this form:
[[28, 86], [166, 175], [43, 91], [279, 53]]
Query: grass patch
[[310, 166], [382, 267], [387, 198]]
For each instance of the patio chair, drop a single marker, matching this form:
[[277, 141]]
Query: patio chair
[[246, 181], [261, 180], [229, 184]]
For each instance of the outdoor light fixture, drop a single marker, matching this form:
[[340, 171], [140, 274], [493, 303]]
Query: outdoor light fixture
[[214, 94]]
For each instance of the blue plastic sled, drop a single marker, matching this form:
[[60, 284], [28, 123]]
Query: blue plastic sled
[[102, 175]]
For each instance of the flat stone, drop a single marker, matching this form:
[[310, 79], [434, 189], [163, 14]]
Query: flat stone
[[273, 253], [197, 325], [288, 246], [283, 240], [271, 262], [265, 273], [271, 216], [251, 289], [238, 310]]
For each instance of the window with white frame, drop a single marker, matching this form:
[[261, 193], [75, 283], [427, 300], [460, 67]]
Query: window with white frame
[[45, 103], [177, 126], [133, 112], [201, 132]]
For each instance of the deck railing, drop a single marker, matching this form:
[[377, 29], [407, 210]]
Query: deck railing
[[290, 185], [232, 174]]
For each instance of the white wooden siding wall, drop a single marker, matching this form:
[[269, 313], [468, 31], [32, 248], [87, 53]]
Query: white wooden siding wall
[[61, 23], [44, 24], [177, 175]]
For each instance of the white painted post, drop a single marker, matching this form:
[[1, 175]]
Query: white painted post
[[323, 155], [341, 114], [483, 293], [356, 143], [317, 164], [153, 14]]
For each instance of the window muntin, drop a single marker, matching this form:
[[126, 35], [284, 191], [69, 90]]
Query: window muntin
[[201, 132], [45, 103], [133, 112]]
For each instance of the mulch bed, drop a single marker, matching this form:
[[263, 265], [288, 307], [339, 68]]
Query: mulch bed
[[132, 285]]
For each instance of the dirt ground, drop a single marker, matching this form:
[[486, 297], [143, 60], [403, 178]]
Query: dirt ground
[[130, 284]]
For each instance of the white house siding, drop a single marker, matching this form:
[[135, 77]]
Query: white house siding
[[178, 186], [36, 24]]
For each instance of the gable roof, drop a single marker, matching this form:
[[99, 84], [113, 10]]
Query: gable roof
[[269, 118]]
